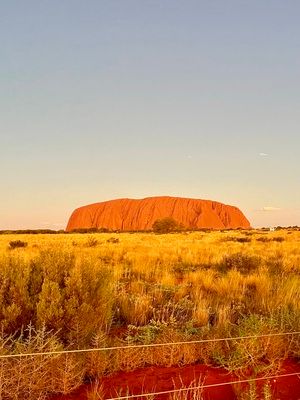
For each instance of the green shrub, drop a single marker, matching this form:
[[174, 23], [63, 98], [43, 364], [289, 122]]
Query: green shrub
[[15, 302], [166, 225]]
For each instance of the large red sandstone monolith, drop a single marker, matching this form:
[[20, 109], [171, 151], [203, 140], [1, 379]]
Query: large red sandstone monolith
[[140, 214]]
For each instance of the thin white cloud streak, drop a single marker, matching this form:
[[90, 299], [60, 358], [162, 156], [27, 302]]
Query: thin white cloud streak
[[268, 208]]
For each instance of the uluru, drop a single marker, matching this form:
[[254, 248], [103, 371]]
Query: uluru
[[140, 214]]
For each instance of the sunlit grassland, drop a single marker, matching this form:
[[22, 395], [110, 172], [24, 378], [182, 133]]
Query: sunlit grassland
[[75, 291]]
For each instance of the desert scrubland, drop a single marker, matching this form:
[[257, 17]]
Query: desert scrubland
[[81, 291]]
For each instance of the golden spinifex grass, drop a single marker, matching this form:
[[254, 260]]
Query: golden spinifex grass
[[77, 291]]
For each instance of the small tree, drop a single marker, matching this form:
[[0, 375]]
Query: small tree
[[166, 225]]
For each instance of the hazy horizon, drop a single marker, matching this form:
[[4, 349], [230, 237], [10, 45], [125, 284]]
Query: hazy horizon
[[111, 99]]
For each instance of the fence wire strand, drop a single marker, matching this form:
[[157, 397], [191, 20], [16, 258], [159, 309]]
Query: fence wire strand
[[213, 385], [141, 346]]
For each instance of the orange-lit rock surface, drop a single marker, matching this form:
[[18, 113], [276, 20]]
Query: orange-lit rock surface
[[133, 214]]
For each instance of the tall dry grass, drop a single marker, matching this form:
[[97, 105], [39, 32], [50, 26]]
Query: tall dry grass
[[82, 291]]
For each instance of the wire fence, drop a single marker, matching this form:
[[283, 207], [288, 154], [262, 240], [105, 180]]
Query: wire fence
[[168, 344], [151, 345]]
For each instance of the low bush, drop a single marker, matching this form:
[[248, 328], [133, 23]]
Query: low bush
[[166, 225], [243, 263], [113, 240], [91, 242], [89, 230], [14, 244], [34, 377], [238, 239], [265, 239], [279, 239]]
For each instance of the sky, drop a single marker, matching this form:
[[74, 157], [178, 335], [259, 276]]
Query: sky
[[104, 99]]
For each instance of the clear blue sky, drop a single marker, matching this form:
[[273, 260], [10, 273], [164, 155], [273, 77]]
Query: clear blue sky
[[106, 99]]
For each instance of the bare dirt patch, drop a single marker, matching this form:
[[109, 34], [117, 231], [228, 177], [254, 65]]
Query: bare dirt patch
[[158, 379]]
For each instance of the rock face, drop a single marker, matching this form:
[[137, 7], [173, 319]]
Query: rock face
[[134, 215]]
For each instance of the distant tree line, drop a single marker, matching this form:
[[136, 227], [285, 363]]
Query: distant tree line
[[160, 226]]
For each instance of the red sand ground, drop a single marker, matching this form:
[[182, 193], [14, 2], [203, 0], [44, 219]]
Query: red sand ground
[[134, 214], [154, 379]]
